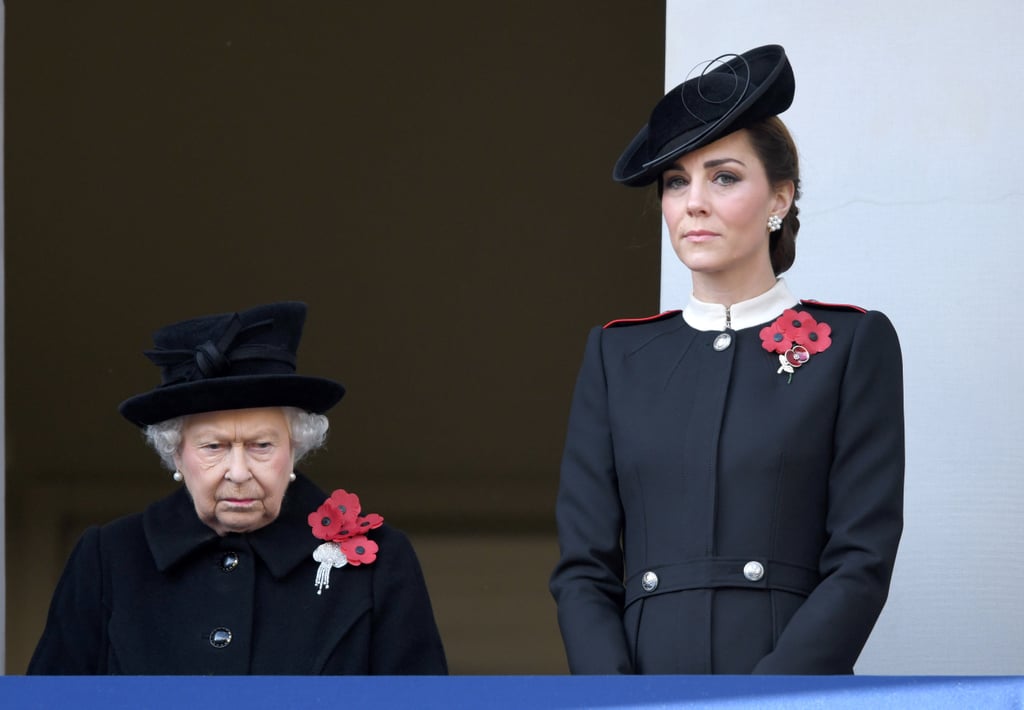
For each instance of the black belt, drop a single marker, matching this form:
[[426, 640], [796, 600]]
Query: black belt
[[719, 572]]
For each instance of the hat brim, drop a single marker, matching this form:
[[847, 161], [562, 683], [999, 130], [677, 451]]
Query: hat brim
[[313, 394], [771, 93]]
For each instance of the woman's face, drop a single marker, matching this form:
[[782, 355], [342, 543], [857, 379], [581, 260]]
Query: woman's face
[[716, 202], [236, 465]]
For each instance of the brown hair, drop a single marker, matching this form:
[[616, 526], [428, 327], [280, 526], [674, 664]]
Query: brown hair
[[774, 145]]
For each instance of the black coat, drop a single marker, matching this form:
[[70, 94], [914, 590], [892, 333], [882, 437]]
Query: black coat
[[145, 595], [690, 463]]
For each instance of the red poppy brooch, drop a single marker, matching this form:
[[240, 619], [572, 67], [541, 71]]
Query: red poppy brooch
[[795, 336], [338, 520]]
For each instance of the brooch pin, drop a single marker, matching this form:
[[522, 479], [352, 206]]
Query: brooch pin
[[795, 336], [339, 522]]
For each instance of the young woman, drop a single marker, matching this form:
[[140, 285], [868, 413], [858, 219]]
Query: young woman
[[732, 482]]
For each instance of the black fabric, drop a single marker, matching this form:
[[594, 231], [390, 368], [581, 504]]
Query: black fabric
[[231, 361], [680, 456], [145, 595], [734, 93]]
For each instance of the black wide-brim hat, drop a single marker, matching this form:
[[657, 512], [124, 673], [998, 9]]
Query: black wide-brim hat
[[231, 361], [731, 92]]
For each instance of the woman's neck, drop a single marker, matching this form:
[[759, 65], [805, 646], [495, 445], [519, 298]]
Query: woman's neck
[[719, 288]]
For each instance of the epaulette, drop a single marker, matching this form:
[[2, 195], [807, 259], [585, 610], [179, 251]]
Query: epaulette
[[618, 322], [833, 306]]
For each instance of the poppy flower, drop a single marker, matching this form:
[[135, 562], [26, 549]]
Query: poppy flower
[[796, 324], [370, 521], [346, 506], [359, 550], [797, 355], [774, 339], [346, 503], [817, 337], [326, 521]]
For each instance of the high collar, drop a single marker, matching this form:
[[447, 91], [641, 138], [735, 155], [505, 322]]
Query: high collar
[[745, 314], [174, 531]]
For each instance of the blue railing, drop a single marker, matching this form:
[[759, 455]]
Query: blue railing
[[603, 692]]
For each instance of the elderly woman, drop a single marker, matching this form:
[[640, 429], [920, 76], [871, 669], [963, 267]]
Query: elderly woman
[[732, 485], [249, 568]]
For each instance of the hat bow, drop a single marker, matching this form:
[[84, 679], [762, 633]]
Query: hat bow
[[210, 359]]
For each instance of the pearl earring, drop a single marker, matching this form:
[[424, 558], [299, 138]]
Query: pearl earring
[[178, 477], [291, 476], [774, 223]]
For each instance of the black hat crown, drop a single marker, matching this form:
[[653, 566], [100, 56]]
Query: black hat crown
[[231, 361], [732, 92], [224, 345]]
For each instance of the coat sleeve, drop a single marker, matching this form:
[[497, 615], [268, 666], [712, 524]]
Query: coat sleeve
[[405, 639], [865, 513], [587, 582], [74, 638]]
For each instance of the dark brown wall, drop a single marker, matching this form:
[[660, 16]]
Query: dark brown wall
[[431, 178]]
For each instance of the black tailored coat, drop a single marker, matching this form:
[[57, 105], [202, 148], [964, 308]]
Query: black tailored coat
[[144, 594], [690, 463]]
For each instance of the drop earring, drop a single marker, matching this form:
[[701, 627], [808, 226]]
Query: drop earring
[[177, 476], [291, 477], [774, 223]]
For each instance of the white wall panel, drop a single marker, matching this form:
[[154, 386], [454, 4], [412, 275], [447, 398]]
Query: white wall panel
[[907, 116]]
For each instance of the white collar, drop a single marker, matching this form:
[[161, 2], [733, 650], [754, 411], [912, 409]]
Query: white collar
[[757, 310]]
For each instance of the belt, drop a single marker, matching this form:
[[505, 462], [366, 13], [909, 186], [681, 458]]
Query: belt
[[719, 572]]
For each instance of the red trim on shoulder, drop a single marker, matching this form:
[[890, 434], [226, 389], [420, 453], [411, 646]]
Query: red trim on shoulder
[[837, 306], [633, 321]]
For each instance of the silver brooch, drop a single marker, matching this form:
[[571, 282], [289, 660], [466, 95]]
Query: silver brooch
[[329, 555]]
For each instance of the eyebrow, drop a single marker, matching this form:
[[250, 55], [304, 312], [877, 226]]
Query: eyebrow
[[211, 432], [722, 161], [710, 163]]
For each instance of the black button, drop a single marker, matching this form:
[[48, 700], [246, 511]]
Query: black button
[[219, 638], [229, 561]]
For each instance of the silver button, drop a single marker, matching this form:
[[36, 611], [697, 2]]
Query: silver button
[[229, 561], [722, 341], [220, 637], [649, 581], [753, 570]]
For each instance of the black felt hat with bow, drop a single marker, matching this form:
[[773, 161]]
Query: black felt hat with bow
[[732, 92], [231, 361]]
